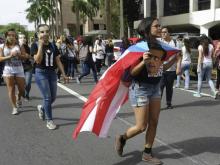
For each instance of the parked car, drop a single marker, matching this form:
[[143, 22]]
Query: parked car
[[117, 43]]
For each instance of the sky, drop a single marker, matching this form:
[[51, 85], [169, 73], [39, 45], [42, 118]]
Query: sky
[[13, 11]]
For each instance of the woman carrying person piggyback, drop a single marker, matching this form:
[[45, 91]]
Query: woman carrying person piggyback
[[144, 91]]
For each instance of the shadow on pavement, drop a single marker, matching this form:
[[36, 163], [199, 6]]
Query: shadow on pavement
[[190, 147], [73, 105], [72, 121], [132, 158], [206, 103]]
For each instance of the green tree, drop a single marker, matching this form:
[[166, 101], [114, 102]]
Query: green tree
[[18, 28], [111, 9], [88, 8], [131, 12], [40, 10]]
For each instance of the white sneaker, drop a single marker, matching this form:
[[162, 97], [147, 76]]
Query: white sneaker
[[19, 103], [40, 112], [197, 95], [14, 111], [215, 95], [77, 80], [51, 125]]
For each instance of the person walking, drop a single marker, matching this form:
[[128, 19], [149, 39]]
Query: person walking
[[144, 91], [205, 65], [125, 44], [109, 49], [99, 50], [86, 60], [63, 56], [169, 75], [185, 64], [46, 56], [217, 59], [27, 65], [12, 54], [71, 62]]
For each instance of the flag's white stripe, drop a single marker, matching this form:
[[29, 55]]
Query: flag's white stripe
[[89, 123], [114, 107]]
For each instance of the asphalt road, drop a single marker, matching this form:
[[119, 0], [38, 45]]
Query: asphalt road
[[189, 134]]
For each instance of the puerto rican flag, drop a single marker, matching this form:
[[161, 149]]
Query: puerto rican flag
[[110, 94]]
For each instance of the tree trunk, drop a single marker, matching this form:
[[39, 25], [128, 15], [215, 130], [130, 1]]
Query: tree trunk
[[57, 19], [108, 17], [77, 18], [61, 17], [121, 19]]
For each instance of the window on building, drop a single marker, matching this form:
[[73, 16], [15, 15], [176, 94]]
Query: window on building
[[204, 4], [96, 26], [71, 27], [174, 7], [153, 8]]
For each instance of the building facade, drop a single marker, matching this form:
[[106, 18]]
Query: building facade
[[193, 16], [86, 25]]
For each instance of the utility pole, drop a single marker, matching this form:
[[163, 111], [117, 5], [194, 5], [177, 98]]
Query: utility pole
[[121, 19]]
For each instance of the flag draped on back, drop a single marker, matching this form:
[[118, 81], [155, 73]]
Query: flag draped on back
[[110, 94]]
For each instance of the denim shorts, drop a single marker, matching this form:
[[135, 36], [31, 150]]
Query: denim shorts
[[141, 93]]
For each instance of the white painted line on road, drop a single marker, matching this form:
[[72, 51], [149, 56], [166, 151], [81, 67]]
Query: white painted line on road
[[130, 124], [192, 91], [72, 92]]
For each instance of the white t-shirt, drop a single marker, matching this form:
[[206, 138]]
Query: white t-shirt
[[207, 59], [186, 59], [171, 43], [13, 65]]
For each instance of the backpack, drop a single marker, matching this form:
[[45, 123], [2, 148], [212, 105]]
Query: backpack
[[63, 52]]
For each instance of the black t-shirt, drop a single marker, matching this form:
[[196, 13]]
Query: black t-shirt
[[144, 77], [109, 48], [27, 63], [50, 52]]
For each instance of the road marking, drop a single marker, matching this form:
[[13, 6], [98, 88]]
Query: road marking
[[72, 92], [194, 92], [187, 156]]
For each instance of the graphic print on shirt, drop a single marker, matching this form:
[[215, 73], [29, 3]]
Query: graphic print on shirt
[[15, 61], [48, 57], [159, 73]]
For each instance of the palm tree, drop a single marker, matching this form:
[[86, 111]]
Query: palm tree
[[32, 14], [88, 8], [39, 10]]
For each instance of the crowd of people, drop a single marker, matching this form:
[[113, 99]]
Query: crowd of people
[[49, 60]]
